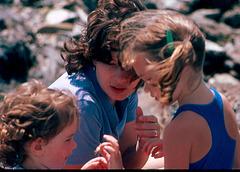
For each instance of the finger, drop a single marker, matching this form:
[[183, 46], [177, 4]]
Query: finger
[[100, 147], [139, 113], [110, 150], [145, 147], [146, 126], [102, 163], [146, 144], [96, 163], [110, 139], [148, 133], [156, 151], [149, 118], [102, 160], [105, 154], [156, 147], [152, 143], [159, 155]]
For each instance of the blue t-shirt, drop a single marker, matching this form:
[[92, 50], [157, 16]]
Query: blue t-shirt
[[221, 153], [97, 115]]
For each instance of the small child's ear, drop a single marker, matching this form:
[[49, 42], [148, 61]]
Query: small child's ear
[[36, 146]]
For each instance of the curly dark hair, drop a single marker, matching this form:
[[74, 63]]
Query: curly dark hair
[[29, 112], [99, 39]]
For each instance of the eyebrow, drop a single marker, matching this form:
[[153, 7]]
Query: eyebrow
[[70, 135]]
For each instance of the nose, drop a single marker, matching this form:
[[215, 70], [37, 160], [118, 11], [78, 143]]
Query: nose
[[121, 75], [74, 144], [146, 88]]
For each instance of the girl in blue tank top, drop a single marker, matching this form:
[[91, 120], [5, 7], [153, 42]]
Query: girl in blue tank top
[[166, 49]]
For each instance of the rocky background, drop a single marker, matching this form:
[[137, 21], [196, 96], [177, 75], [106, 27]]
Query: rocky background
[[32, 33]]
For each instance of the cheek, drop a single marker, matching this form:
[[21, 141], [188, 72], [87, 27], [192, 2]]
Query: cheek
[[102, 76], [134, 83], [152, 89]]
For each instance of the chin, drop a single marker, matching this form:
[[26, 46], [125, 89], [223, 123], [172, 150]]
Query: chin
[[120, 97]]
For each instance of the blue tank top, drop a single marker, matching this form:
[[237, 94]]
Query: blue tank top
[[221, 153]]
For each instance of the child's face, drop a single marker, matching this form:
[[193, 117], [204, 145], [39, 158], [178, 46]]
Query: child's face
[[57, 150], [115, 82], [143, 70]]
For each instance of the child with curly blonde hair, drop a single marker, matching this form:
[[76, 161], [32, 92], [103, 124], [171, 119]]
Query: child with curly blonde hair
[[37, 126]]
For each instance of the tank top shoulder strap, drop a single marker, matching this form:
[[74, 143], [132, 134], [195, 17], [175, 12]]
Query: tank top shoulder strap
[[202, 109]]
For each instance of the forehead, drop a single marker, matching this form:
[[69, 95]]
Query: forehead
[[143, 68], [141, 64]]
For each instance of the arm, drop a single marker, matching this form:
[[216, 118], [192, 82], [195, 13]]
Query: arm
[[144, 127], [176, 152], [176, 146], [232, 129], [132, 158], [236, 161]]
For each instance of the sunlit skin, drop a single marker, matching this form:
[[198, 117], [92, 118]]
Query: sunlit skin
[[54, 154], [141, 67], [148, 74], [184, 129], [114, 81]]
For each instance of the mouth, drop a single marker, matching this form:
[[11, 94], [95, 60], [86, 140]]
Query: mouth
[[67, 156], [156, 98], [118, 90]]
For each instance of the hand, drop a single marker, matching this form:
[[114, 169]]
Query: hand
[[96, 163], [156, 145], [110, 151], [147, 127]]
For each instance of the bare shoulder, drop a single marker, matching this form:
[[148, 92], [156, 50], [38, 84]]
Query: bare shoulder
[[230, 118], [185, 137], [185, 126], [232, 129]]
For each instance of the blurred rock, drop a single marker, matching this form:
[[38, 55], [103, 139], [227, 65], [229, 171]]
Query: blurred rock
[[214, 31], [215, 56], [15, 61], [57, 16], [232, 18]]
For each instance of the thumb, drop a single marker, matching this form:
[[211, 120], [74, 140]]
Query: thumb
[[139, 112]]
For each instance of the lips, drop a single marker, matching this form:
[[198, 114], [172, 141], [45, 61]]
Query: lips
[[118, 90], [156, 98]]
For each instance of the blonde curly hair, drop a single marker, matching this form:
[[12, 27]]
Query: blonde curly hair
[[29, 112]]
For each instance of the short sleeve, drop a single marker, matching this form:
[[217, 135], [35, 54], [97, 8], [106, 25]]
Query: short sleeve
[[88, 135], [132, 106]]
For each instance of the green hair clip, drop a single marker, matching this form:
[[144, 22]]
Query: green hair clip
[[169, 40]]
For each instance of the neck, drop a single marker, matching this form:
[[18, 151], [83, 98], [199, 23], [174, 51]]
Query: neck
[[32, 163], [193, 89]]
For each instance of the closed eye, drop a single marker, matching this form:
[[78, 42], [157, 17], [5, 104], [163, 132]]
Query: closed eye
[[150, 82], [69, 139]]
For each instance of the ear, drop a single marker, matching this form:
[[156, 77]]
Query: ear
[[36, 146]]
